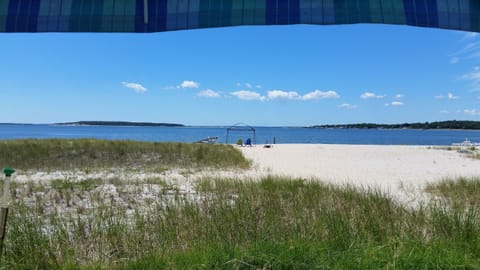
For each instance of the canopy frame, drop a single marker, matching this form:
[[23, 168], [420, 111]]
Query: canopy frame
[[240, 127]]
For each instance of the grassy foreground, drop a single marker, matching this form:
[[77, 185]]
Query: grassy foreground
[[273, 223]]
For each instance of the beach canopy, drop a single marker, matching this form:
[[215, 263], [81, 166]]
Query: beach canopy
[[240, 127], [166, 15]]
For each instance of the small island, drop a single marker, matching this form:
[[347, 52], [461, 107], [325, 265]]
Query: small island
[[119, 123], [453, 124]]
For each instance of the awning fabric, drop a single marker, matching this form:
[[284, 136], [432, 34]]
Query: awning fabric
[[167, 15]]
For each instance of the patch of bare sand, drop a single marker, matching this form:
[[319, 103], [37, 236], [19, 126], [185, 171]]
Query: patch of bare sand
[[391, 168]]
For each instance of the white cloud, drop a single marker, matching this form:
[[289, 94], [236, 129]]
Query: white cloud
[[208, 93], [470, 49], [474, 78], [317, 94], [248, 85], [451, 96], [399, 96], [287, 95], [348, 106], [448, 96], [248, 95], [471, 112], [279, 94], [292, 95], [473, 75], [135, 87], [444, 112], [467, 50], [397, 103], [189, 84], [370, 95]]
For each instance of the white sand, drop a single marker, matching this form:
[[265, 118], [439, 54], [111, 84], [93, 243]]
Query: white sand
[[384, 166]]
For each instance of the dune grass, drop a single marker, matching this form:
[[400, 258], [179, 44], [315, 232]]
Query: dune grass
[[64, 154], [274, 223], [461, 192]]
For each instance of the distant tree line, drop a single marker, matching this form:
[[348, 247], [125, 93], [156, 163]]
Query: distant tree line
[[121, 123], [453, 124]]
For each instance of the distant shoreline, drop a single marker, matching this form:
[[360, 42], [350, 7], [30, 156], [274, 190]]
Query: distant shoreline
[[119, 123], [445, 125]]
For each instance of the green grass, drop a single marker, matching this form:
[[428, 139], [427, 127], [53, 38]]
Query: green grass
[[60, 154], [88, 184], [275, 223], [461, 192]]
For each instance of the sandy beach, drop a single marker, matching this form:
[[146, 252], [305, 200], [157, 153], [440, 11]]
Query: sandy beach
[[402, 171], [385, 166]]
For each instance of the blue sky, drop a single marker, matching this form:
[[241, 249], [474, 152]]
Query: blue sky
[[264, 75]]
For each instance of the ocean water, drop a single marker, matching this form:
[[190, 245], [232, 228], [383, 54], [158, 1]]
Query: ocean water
[[263, 134]]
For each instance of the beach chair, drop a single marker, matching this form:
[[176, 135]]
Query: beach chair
[[248, 142]]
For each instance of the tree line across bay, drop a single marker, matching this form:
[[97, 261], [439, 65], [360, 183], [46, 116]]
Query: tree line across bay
[[121, 123], [453, 124]]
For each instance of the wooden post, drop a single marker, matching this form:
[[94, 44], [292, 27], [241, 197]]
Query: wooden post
[[3, 226], [4, 206]]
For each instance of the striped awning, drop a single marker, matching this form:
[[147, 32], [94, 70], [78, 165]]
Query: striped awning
[[167, 15]]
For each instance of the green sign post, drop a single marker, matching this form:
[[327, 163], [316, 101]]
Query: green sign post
[[5, 203]]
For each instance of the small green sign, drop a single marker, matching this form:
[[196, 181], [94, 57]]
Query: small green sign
[[8, 171]]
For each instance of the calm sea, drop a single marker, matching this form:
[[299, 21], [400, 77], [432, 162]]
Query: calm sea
[[263, 134]]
